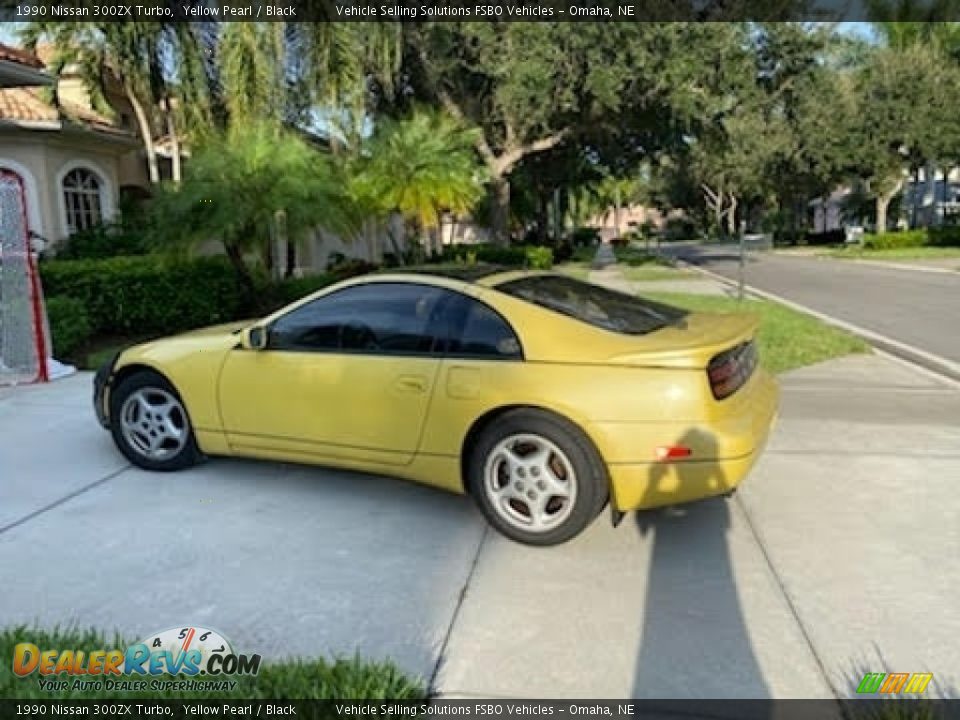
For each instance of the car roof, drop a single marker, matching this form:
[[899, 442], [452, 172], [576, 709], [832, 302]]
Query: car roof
[[448, 275]]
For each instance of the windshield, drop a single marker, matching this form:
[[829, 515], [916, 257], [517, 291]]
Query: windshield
[[593, 304]]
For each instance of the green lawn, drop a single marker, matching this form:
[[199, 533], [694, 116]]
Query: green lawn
[[644, 273], [344, 678], [915, 253], [787, 339], [576, 269]]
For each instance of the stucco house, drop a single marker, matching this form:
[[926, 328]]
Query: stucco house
[[73, 162]]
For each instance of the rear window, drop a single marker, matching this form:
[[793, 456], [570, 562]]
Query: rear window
[[595, 305]]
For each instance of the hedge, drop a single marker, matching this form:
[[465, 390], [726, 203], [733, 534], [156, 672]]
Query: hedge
[[928, 237], [69, 325], [147, 294], [283, 293], [539, 258]]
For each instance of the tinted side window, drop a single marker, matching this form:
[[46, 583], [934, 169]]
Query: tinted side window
[[478, 331], [388, 318]]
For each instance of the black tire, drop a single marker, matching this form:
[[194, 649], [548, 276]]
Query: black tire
[[589, 475], [183, 456]]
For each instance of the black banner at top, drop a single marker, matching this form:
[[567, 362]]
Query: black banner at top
[[456, 10]]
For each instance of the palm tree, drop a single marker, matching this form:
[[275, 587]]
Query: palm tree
[[132, 52], [420, 167], [243, 185]]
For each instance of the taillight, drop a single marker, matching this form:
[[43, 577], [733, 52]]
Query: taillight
[[729, 370]]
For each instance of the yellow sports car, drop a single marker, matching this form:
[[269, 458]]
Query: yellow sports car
[[541, 396]]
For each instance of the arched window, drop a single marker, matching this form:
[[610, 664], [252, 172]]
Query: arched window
[[82, 198]]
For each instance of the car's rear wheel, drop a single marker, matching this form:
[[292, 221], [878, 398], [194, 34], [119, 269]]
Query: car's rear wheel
[[536, 477], [150, 424]]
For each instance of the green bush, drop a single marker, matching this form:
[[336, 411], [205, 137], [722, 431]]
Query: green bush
[[282, 293], [147, 294], [584, 236], [508, 255], [103, 241], [69, 325], [532, 256], [905, 239], [539, 258], [947, 236]]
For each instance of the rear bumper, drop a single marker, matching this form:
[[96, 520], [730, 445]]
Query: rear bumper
[[639, 485]]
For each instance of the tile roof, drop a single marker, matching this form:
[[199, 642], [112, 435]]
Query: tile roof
[[21, 57], [23, 104], [26, 105]]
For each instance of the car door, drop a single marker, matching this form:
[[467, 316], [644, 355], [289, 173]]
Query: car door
[[347, 376]]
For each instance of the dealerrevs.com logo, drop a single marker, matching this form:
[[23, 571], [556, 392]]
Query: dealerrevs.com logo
[[193, 652]]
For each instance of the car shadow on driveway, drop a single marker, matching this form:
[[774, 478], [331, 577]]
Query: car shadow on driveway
[[694, 638]]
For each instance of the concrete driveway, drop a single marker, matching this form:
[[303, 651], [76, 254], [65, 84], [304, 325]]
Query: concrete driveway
[[841, 555]]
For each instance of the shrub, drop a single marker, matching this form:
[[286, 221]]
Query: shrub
[[351, 268], [583, 236], [274, 295], [539, 258], [905, 239], [563, 252], [103, 241], [947, 236], [69, 325], [147, 294], [830, 237], [509, 255]]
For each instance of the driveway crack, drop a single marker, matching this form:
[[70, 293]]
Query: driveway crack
[[794, 611], [62, 500], [441, 657]]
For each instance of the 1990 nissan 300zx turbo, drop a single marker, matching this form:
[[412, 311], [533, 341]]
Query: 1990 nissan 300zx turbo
[[541, 396]]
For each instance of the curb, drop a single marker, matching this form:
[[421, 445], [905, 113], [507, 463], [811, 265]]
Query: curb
[[928, 361], [899, 266]]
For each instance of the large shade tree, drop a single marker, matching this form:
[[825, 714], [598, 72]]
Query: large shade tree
[[902, 115], [530, 87]]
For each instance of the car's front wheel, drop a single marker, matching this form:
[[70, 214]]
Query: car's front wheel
[[536, 478], [150, 424]]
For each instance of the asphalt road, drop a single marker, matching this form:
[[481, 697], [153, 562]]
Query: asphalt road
[[921, 309]]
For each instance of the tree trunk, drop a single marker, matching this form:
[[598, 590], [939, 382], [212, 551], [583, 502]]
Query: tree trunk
[[235, 255], [543, 217], [500, 210], [176, 166], [883, 202], [146, 134], [732, 217], [395, 245], [929, 203]]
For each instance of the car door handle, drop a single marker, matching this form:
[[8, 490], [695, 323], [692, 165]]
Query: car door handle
[[412, 383]]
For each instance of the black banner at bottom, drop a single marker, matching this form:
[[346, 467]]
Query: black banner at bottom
[[492, 708]]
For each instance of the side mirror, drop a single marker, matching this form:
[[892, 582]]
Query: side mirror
[[255, 338]]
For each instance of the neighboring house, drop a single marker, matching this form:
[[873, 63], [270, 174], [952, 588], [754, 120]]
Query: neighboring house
[[631, 217], [75, 163], [924, 204]]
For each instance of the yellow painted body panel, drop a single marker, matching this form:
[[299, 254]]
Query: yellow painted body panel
[[410, 416]]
